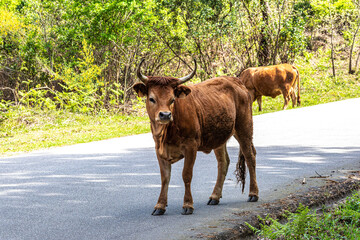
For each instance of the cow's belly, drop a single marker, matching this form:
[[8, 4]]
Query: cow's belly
[[270, 92], [216, 131]]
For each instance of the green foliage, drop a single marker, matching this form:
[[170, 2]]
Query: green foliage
[[340, 223], [39, 36], [83, 88], [301, 223], [11, 4], [10, 32], [292, 37], [344, 12], [10, 23], [349, 212]]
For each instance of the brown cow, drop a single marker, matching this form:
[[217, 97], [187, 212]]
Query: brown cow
[[272, 81], [201, 117]]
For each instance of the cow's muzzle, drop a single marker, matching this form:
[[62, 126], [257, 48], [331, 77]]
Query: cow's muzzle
[[165, 117]]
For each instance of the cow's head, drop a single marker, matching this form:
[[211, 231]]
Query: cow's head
[[161, 93]]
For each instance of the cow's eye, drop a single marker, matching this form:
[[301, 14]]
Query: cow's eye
[[152, 100], [172, 101]]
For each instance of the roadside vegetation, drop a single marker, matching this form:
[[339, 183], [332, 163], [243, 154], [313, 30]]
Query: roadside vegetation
[[340, 222], [25, 128], [67, 67]]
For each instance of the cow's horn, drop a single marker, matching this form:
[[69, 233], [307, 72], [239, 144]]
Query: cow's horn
[[188, 77], [142, 77]]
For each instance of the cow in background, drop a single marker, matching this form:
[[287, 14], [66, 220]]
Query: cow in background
[[272, 81], [200, 117]]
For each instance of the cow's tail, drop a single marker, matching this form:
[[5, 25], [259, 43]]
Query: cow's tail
[[298, 86], [240, 171]]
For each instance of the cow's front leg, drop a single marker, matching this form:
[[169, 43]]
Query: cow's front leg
[[190, 156], [259, 101], [165, 171]]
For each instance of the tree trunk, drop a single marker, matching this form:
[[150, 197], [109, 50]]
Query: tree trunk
[[357, 62], [263, 52], [278, 32], [332, 43], [351, 50]]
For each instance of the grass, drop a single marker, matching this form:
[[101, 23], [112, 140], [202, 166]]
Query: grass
[[342, 222], [24, 129], [30, 129]]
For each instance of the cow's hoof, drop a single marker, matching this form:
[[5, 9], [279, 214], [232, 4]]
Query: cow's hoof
[[253, 199], [158, 212], [187, 211], [213, 202]]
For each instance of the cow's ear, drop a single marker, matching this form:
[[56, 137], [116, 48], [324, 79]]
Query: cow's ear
[[182, 91], [140, 89]]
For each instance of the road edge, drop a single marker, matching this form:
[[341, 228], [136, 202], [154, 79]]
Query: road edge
[[313, 197]]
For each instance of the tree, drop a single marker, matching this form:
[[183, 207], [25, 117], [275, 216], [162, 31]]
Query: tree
[[351, 71], [264, 52]]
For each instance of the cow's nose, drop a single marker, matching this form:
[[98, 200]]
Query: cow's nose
[[165, 115]]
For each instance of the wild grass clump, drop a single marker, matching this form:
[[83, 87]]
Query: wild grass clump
[[342, 222]]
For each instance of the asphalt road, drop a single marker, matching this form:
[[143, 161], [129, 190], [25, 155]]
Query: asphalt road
[[107, 189]]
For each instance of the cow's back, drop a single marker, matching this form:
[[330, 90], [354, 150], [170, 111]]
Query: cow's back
[[211, 109]]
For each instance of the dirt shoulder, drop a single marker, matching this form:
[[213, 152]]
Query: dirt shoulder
[[322, 190]]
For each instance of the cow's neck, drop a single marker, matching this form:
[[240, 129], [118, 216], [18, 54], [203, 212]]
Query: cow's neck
[[162, 136], [159, 131]]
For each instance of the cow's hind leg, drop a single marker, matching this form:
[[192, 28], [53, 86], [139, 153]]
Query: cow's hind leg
[[286, 94], [241, 170], [293, 97], [223, 160], [247, 153], [244, 135]]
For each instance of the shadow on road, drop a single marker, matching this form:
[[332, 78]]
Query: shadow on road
[[44, 194]]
